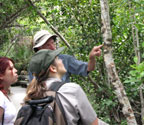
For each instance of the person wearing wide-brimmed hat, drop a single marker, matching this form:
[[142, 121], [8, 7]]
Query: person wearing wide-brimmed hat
[[48, 70], [45, 40]]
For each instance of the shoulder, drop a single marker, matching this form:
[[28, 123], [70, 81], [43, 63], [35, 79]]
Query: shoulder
[[2, 99], [65, 56], [1, 95], [68, 94], [71, 85], [70, 88]]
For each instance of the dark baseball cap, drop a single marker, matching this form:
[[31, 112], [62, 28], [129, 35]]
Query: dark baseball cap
[[41, 60]]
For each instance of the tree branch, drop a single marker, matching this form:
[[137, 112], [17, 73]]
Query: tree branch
[[10, 19], [13, 41], [17, 25], [48, 23]]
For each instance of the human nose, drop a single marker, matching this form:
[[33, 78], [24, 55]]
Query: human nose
[[61, 61], [54, 46], [15, 70]]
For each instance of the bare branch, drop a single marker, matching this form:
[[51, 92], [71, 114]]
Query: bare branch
[[13, 41], [13, 17], [48, 23], [94, 83], [17, 25]]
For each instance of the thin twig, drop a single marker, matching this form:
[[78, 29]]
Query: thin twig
[[48, 23]]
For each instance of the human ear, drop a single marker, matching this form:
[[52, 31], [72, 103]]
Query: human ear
[[52, 68]]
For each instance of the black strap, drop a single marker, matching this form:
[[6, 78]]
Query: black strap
[[55, 87], [3, 119], [47, 99]]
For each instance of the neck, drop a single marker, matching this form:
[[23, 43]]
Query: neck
[[55, 75], [6, 87]]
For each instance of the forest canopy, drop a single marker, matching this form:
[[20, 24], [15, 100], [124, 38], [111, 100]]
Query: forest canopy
[[79, 22]]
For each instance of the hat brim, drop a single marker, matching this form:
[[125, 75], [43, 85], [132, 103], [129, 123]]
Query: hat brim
[[43, 41], [40, 60], [54, 54], [58, 51]]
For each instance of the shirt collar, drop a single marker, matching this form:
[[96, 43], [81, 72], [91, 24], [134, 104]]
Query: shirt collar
[[49, 81]]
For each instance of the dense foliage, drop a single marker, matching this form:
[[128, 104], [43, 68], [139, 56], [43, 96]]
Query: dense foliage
[[79, 21]]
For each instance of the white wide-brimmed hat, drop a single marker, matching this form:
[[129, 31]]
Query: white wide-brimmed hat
[[41, 37]]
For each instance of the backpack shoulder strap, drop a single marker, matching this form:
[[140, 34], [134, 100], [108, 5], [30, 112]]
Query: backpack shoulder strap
[[55, 87]]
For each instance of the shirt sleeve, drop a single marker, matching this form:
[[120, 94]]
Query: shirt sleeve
[[85, 109], [30, 76], [76, 104], [1, 99], [77, 67]]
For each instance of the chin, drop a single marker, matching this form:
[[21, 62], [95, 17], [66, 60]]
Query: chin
[[65, 70], [14, 81]]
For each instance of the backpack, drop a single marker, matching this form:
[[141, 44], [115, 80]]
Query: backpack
[[45, 111]]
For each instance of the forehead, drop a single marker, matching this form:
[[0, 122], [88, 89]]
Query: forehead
[[50, 40], [55, 59], [10, 63]]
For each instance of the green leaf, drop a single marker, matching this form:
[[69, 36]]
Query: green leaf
[[142, 44], [135, 59], [142, 74]]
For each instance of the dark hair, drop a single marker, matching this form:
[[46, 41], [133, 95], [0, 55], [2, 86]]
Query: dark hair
[[4, 64]]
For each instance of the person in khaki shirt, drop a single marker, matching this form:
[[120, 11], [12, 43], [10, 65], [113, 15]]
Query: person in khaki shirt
[[48, 69]]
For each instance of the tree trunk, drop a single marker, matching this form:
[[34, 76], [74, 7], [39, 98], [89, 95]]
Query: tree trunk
[[136, 42], [142, 103], [110, 65]]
